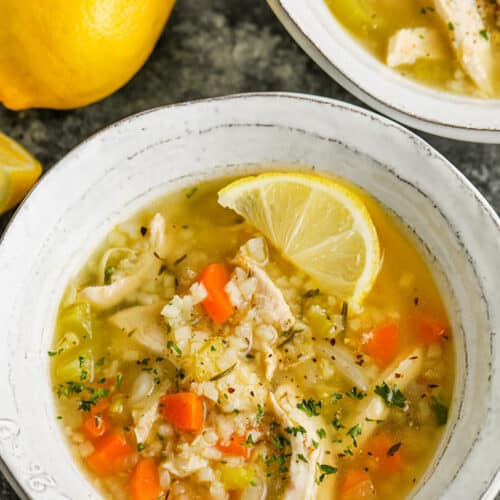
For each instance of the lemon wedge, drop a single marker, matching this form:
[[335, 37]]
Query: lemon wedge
[[319, 225], [18, 172]]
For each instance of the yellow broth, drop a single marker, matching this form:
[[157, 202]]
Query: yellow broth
[[126, 376], [373, 22]]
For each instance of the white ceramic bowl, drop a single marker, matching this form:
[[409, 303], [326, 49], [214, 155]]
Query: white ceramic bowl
[[315, 29], [122, 168]]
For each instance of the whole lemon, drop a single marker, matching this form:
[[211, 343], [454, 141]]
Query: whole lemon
[[67, 53]]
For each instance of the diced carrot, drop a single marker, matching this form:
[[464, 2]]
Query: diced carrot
[[217, 304], [184, 410], [112, 454], [386, 455], [95, 426], [101, 405], [429, 329], [145, 481], [357, 485], [382, 343], [235, 446]]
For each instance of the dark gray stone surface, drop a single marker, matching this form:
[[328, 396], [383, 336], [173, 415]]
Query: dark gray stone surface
[[212, 48]]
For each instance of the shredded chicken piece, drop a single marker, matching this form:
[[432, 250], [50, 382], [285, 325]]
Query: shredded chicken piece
[[401, 373], [469, 38], [268, 298], [143, 324], [302, 483], [107, 296], [408, 45]]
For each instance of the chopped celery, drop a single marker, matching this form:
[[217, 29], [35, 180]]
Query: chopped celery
[[80, 368], [77, 318], [236, 478], [320, 322]]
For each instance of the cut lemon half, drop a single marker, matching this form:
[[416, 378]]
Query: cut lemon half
[[18, 172], [318, 224]]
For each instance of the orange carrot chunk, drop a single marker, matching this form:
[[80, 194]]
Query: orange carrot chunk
[[184, 410], [357, 484], [386, 453], [382, 344], [234, 446], [112, 454], [217, 304], [430, 330], [95, 427], [145, 481]]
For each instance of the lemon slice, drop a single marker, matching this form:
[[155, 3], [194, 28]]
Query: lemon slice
[[18, 172], [319, 225]]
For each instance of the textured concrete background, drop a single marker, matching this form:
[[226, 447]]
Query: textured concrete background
[[211, 48]]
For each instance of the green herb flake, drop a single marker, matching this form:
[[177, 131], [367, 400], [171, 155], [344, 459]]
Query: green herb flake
[[321, 433], [325, 470], [484, 34], [393, 449], [451, 27], [140, 446], [440, 411], [336, 397], [260, 413], [295, 430], [337, 425], [355, 393], [392, 397], [108, 273], [55, 353], [191, 193], [310, 407], [302, 458], [174, 348], [354, 432], [119, 381], [315, 444], [100, 362]]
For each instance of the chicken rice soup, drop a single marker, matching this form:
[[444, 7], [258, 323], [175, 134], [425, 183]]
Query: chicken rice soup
[[453, 45], [193, 359]]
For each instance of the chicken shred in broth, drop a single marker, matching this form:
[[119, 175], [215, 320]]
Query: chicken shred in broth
[[288, 394], [453, 45]]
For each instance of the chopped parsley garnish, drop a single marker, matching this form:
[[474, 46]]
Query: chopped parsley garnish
[[315, 444], [84, 375], [249, 442], [108, 273], [354, 393], [55, 353], [81, 361], [119, 381], [484, 34], [325, 470], [354, 432], [374, 420], [260, 413], [302, 457], [279, 441], [310, 407], [451, 27], [295, 430], [337, 425], [336, 397], [140, 446], [99, 362], [440, 411], [321, 433], [191, 193], [174, 348], [392, 397]]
